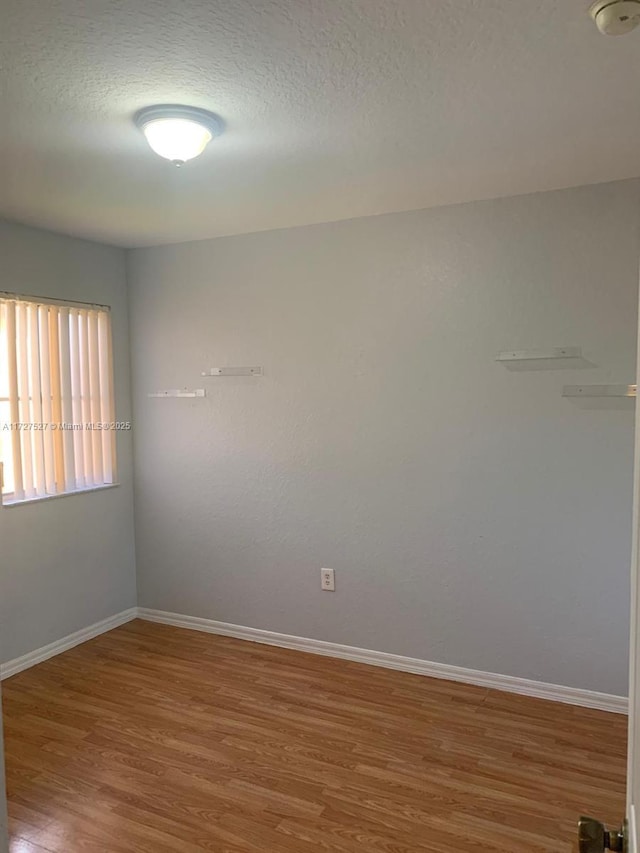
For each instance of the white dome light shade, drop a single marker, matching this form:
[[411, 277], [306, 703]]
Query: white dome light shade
[[176, 139], [178, 133]]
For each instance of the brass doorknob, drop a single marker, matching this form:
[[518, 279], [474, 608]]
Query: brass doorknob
[[593, 837]]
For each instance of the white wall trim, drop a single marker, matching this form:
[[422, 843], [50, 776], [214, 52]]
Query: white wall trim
[[508, 683], [17, 665], [633, 831]]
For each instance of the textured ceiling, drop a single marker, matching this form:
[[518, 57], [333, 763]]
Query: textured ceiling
[[334, 109]]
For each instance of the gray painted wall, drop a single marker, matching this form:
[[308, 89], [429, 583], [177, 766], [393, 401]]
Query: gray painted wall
[[472, 515], [69, 562]]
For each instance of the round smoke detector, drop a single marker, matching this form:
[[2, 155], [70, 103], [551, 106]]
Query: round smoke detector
[[616, 17]]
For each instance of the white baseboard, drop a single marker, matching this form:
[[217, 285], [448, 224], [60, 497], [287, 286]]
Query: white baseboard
[[507, 683], [17, 665]]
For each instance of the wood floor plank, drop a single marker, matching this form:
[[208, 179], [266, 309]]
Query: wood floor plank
[[152, 739]]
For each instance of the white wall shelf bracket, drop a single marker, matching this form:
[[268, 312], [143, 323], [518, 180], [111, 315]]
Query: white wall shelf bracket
[[554, 358], [179, 392], [233, 371], [599, 391], [622, 397]]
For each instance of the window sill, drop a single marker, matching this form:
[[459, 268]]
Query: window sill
[[7, 504]]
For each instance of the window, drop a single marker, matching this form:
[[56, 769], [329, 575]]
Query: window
[[56, 398]]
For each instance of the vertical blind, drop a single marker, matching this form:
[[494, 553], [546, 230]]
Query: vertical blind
[[56, 397]]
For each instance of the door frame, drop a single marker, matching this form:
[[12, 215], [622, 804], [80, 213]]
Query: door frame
[[4, 821], [633, 747]]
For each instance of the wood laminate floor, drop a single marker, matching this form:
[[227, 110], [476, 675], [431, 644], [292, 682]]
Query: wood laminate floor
[[158, 739]]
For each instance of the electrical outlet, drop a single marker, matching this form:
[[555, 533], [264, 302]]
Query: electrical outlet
[[328, 580]]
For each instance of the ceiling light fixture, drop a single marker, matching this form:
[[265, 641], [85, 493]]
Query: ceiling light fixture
[[178, 133], [616, 17]]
